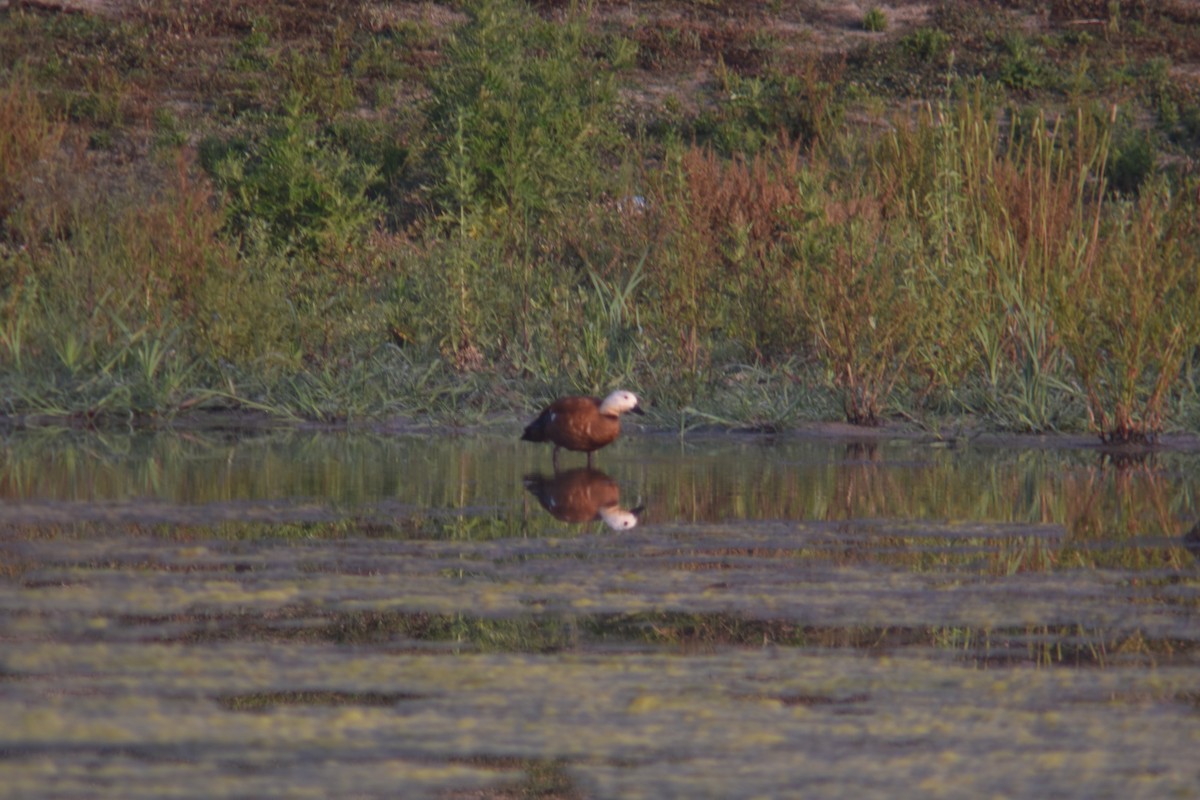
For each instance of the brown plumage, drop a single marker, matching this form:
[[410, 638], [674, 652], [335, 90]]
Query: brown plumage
[[583, 424], [582, 495]]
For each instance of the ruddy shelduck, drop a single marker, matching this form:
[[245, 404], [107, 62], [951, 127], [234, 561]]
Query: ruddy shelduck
[[583, 424]]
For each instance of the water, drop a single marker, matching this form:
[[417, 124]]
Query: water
[[312, 614]]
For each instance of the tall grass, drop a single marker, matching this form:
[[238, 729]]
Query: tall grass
[[28, 136], [1130, 310], [504, 231], [714, 236], [858, 282]]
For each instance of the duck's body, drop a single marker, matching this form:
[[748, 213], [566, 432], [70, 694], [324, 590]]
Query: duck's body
[[583, 424]]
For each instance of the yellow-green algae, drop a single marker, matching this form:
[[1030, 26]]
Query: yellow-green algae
[[583, 575], [851, 725]]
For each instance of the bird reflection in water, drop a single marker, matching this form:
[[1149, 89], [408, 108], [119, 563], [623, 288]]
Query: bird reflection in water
[[582, 495]]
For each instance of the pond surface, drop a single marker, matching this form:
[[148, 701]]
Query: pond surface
[[298, 614]]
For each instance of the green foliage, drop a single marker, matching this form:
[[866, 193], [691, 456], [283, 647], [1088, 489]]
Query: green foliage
[[294, 185], [168, 134], [252, 51], [101, 318], [875, 20], [752, 112], [441, 298], [611, 333], [138, 307], [521, 114], [483, 306], [926, 44], [1184, 124], [1022, 67], [1132, 163]]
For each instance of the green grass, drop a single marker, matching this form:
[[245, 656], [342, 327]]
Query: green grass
[[445, 217]]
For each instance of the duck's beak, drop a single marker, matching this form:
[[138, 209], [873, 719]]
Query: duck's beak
[[638, 410]]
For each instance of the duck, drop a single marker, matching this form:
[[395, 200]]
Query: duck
[[582, 424], [582, 495]]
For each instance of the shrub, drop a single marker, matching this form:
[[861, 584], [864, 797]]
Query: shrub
[[295, 185], [1129, 313], [860, 298], [926, 44], [522, 122], [875, 20], [521, 114], [1132, 163], [1022, 67], [752, 112]]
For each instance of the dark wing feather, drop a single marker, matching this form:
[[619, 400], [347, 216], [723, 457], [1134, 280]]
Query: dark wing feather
[[536, 430]]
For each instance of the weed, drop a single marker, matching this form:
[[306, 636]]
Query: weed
[[611, 333], [859, 302], [28, 135], [317, 83], [752, 112], [1022, 67], [1129, 313], [662, 46], [1132, 164], [168, 133], [875, 20], [730, 221], [926, 44], [521, 115], [304, 192], [252, 52]]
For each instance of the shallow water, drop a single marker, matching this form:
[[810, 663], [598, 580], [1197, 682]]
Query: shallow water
[[312, 614]]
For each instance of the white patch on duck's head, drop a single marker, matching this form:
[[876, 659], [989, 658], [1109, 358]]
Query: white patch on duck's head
[[618, 518], [619, 402]]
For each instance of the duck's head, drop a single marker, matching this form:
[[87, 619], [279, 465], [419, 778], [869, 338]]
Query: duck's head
[[619, 402], [618, 518]]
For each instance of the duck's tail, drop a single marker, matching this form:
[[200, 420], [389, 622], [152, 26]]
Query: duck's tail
[[536, 430]]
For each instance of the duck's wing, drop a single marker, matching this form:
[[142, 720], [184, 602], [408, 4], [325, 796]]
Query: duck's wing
[[558, 415]]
